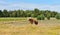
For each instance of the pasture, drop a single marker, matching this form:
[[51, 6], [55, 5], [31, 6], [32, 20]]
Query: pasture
[[21, 26]]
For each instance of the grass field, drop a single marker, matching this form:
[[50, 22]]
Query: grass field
[[21, 26]]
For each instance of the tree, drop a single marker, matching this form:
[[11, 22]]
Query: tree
[[48, 16], [47, 13], [36, 12], [27, 13], [5, 13], [53, 14], [1, 13], [32, 15], [22, 14], [58, 16], [41, 17]]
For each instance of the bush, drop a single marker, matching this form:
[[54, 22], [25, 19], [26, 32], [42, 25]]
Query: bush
[[48, 16], [57, 16], [41, 17], [32, 15]]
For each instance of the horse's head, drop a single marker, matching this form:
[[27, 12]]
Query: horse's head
[[31, 21]]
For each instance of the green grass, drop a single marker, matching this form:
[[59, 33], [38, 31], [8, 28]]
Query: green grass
[[12, 19]]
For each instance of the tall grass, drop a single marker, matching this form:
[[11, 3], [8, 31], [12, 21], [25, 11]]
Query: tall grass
[[45, 27]]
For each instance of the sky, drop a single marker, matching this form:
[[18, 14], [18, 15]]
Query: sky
[[53, 5]]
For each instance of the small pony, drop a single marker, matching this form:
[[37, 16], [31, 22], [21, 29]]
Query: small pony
[[33, 21]]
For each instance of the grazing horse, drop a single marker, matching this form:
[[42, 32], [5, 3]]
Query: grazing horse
[[33, 21]]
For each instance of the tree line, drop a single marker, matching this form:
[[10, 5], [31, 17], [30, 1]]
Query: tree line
[[29, 13]]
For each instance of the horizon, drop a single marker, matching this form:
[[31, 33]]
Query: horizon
[[53, 5]]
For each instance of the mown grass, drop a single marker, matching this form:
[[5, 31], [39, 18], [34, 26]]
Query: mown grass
[[12, 19], [21, 27]]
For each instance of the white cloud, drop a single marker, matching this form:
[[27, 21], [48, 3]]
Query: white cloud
[[13, 6]]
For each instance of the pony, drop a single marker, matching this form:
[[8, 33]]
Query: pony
[[33, 21]]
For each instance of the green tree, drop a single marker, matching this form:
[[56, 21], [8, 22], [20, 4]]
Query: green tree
[[1, 13], [58, 16], [48, 16], [36, 12], [53, 13], [5, 13], [41, 17], [32, 15], [27, 13]]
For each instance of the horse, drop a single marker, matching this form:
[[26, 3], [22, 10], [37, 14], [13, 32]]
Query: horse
[[33, 21]]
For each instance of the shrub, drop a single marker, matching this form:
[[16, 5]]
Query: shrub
[[32, 15], [48, 16], [41, 17], [57, 16]]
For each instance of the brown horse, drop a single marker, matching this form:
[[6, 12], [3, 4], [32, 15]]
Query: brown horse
[[33, 21]]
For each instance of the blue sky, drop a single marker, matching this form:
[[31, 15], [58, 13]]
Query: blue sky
[[53, 5]]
